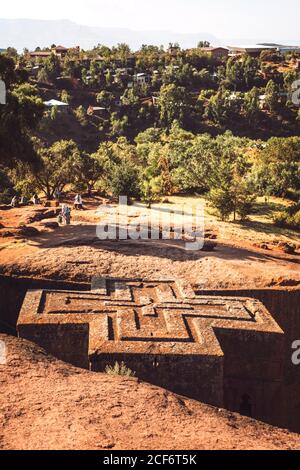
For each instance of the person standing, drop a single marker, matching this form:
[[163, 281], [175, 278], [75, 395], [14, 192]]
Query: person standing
[[14, 201], [35, 200], [57, 194], [78, 203], [67, 215]]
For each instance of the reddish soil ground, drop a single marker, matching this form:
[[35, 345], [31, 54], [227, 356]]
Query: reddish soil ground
[[46, 404], [243, 258]]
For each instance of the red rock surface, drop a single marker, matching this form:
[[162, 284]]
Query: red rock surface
[[74, 253], [47, 404]]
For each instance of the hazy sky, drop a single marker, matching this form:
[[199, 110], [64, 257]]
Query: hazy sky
[[223, 18]]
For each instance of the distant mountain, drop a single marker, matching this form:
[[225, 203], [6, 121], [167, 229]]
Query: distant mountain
[[21, 33]]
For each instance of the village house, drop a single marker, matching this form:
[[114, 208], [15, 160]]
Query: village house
[[60, 105], [98, 111], [141, 79], [61, 51], [234, 96], [149, 101], [131, 61], [58, 51], [254, 50], [174, 50], [216, 52], [283, 49], [39, 54], [262, 102], [270, 73]]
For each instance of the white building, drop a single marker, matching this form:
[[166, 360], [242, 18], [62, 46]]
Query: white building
[[56, 104], [141, 78], [253, 50], [283, 49]]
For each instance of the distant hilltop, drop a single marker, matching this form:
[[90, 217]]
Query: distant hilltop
[[27, 33], [24, 33]]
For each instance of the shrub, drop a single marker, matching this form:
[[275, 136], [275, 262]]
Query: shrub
[[288, 248], [125, 181], [289, 218], [120, 370], [6, 187], [221, 200], [151, 190], [245, 205], [280, 219]]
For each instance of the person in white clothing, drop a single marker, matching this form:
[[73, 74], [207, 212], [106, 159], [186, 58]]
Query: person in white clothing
[[78, 203], [14, 201]]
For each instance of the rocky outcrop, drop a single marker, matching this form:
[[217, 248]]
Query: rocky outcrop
[[47, 404]]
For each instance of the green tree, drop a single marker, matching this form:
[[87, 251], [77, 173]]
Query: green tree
[[218, 108], [88, 169], [252, 106], [80, 114], [65, 97], [12, 52], [272, 96], [58, 165], [173, 104], [7, 70], [122, 52], [150, 189], [118, 126], [231, 190], [53, 67], [42, 76], [242, 73], [125, 180], [106, 99], [220, 194], [18, 119], [279, 165], [54, 113], [202, 44]]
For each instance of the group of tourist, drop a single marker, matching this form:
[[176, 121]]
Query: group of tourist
[[64, 216], [17, 202]]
